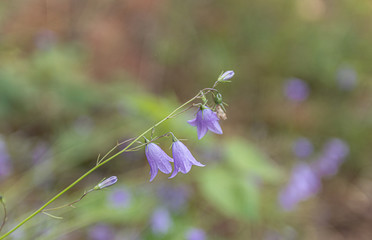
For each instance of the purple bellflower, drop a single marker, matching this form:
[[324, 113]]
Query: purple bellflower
[[206, 120], [183, 159], [303, 184], [157, 159]]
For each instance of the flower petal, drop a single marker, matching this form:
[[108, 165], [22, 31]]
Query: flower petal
[[193, 122], [215, 127], [157, 159]]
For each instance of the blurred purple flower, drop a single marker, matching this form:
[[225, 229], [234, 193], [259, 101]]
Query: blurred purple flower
[[157, 159], [303, 148], [303, 184], [296, 90], [161, 221], [119, 198], [226, 75], [174, 197], [195, 234], [183, 159], [101, 232], [5, 161], [334, 155], [206, 120], [346, 78]]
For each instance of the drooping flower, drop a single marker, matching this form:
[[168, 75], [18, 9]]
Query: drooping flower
[[226, 75], [206, 120], [106, 183], [157, 159], [161, 221], [183, 159], [303, 184], [195, 234]]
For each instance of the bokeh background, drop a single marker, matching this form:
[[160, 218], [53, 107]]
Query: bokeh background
[[76, 76]]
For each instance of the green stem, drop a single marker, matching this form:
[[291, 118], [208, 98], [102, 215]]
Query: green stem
[[94, 168]]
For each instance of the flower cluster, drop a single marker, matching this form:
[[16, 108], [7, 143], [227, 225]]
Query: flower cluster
[[206, 120], [306, 178]]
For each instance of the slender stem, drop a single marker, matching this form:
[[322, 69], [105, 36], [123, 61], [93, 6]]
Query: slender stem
[[68, 204], [95, 167]]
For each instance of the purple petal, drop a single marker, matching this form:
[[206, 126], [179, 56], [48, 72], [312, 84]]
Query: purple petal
[[174, 173], [183, 157], [202, 130], [157, 159], [211, 121], [193, 122]]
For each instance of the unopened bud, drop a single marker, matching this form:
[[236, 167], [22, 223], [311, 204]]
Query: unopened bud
[[106, 183], [226, 75], [218, 98]]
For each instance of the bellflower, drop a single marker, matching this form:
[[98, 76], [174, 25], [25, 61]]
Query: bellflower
[[206, 120], [157, 159], [183, 159]]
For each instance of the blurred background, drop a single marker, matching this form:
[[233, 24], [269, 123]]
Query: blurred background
[[76, 76]]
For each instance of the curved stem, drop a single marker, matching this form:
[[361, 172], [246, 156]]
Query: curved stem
[[102, 162]]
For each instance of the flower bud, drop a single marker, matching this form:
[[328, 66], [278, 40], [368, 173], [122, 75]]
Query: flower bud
[[226, 75], [218, 98], [106, 183]]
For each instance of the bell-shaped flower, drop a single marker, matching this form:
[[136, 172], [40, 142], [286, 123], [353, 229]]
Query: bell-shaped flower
[[206, 120], [183, 159], [157, 159]]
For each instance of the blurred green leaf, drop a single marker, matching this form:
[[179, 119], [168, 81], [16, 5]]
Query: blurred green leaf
[[244, 158], [229, 193]]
